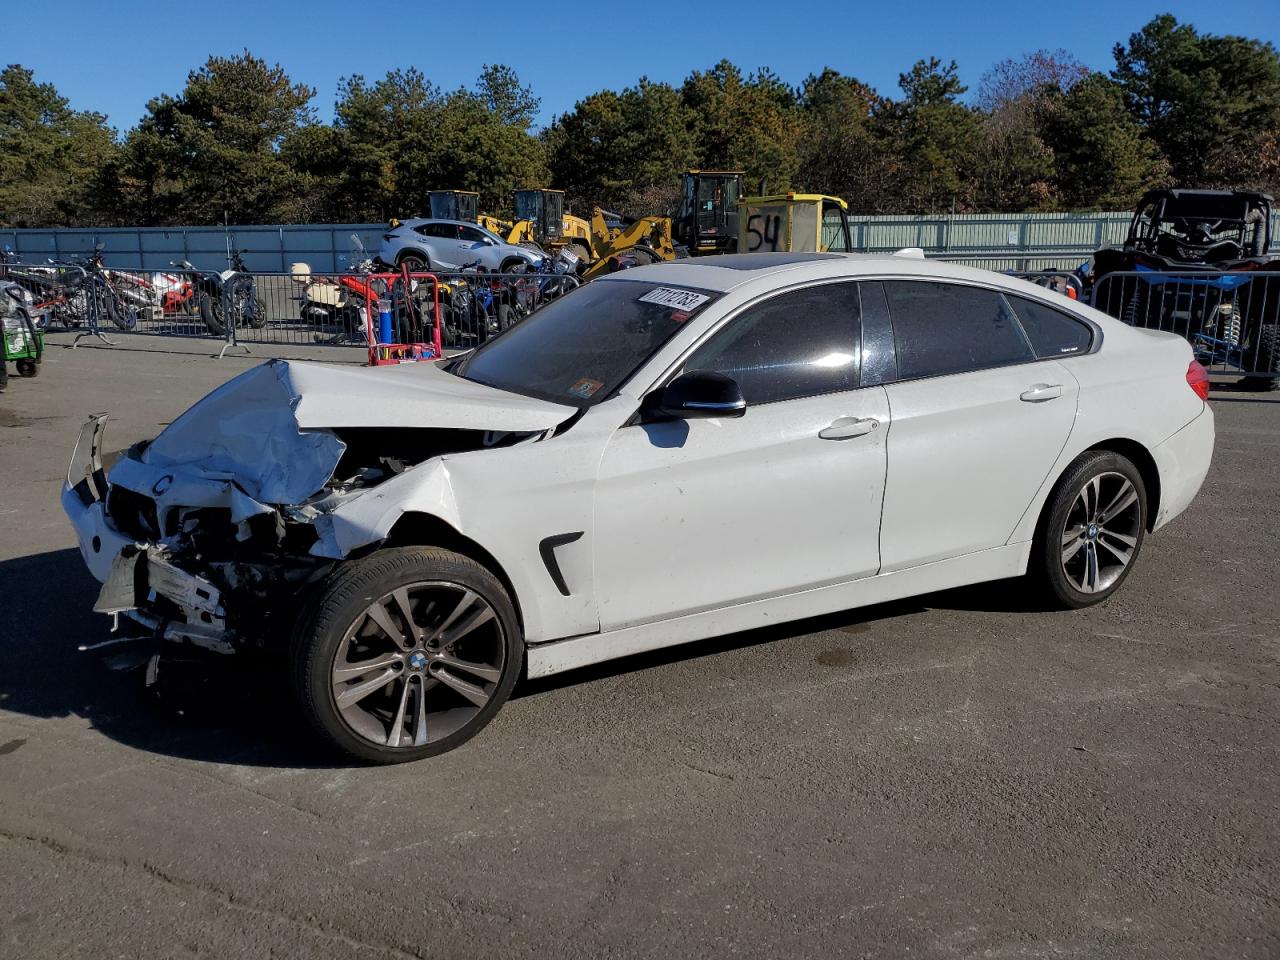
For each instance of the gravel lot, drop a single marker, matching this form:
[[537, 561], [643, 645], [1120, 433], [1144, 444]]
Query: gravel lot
[[956, 776]]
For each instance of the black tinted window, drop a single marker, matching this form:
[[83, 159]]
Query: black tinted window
[[798, 344], [1051, 332], [445, 230], [942, 328], [471, 235]]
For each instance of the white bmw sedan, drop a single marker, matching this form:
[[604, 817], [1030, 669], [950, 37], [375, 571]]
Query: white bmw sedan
[[666, 454]]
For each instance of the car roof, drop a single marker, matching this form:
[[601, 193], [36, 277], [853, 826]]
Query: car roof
[[419, 221], [725, 272]]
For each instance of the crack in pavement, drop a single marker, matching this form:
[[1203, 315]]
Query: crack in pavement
[[205, 889]]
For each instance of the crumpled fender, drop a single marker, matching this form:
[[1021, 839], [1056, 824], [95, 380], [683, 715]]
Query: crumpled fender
[[369, 517]]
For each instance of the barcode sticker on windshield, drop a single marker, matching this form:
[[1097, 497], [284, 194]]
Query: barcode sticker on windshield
[[676, 299]]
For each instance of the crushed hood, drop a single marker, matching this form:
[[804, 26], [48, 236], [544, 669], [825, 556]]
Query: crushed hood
[[264, 437]]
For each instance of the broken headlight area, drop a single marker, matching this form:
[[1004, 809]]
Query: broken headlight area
[[212, 568]]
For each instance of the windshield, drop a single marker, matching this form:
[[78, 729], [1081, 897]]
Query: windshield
[[579, 349]]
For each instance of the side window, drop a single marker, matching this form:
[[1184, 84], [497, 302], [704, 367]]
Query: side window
[[834, 239], [446, 231], [797, 344], [942, 328], [1052, 333], [472, 235]]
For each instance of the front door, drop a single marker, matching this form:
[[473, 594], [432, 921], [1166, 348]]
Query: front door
[[694, 515]]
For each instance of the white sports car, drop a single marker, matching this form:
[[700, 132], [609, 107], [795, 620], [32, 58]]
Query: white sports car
[[666, 454]]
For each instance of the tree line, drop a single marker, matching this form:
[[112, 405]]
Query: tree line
[[242, 142]]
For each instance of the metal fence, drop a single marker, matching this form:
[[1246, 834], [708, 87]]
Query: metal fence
[[1231, 319], [369, 310], [1006, 240]]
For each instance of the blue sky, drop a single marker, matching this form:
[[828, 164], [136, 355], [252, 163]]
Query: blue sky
[[113, 56]]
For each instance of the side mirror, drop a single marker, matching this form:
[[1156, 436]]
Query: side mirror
[[700, 395]]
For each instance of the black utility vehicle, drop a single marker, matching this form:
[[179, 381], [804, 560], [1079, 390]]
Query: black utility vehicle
[[1199, 263]]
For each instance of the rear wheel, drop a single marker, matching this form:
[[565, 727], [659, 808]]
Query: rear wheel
[[416, 262], [406, 653], [1268, 359], [506, 316], [1092, 530], [28, 368]]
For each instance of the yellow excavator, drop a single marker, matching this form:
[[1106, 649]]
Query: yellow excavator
[[793, 223]]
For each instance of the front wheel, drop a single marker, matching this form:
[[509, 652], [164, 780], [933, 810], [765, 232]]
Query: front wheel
[[212, 313], [28, 368], [256, 315], [406, 653], [1092, 531]]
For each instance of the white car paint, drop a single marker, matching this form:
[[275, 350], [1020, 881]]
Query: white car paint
[[740, 522]]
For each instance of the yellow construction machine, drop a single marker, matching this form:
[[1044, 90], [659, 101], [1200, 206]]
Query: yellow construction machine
[[707, 220], [540, 219], [793, 223], [455, 205], [642, 240]]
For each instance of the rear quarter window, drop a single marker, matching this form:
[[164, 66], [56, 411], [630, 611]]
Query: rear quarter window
[[1052, 333]]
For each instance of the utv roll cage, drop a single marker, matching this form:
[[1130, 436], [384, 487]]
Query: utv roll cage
[[1202, 225]]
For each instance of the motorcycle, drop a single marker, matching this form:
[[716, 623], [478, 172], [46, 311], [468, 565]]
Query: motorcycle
[[341, 301], [235, 288]]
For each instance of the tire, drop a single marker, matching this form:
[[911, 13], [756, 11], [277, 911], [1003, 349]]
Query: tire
[[1268, 357], [444, 590], [1059, 563], [28, 368], [582, 253], [212, 315], [258, 319], [642, 257], [418, 262], [506, 317], [125, 318], [1135, 309]]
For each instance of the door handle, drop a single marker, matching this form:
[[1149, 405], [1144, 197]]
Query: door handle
[[846, 428], [1040, 392]]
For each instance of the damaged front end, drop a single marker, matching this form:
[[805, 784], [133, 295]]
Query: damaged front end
[[190, 559], [210, 535]]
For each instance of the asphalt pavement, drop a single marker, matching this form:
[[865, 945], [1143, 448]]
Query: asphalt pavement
[[959, 775]]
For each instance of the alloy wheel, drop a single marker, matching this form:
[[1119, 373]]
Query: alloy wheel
[[418, 664], [1101, 532]]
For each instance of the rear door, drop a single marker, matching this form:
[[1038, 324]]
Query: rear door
[[978, 422], [442, 244]]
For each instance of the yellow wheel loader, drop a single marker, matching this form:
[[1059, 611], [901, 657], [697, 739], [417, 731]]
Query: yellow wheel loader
[[455, 205], [707, 221], [541, 221], [793, 223], [643, 240]]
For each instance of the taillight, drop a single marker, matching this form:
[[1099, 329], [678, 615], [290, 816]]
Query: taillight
[[1198, 379]]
